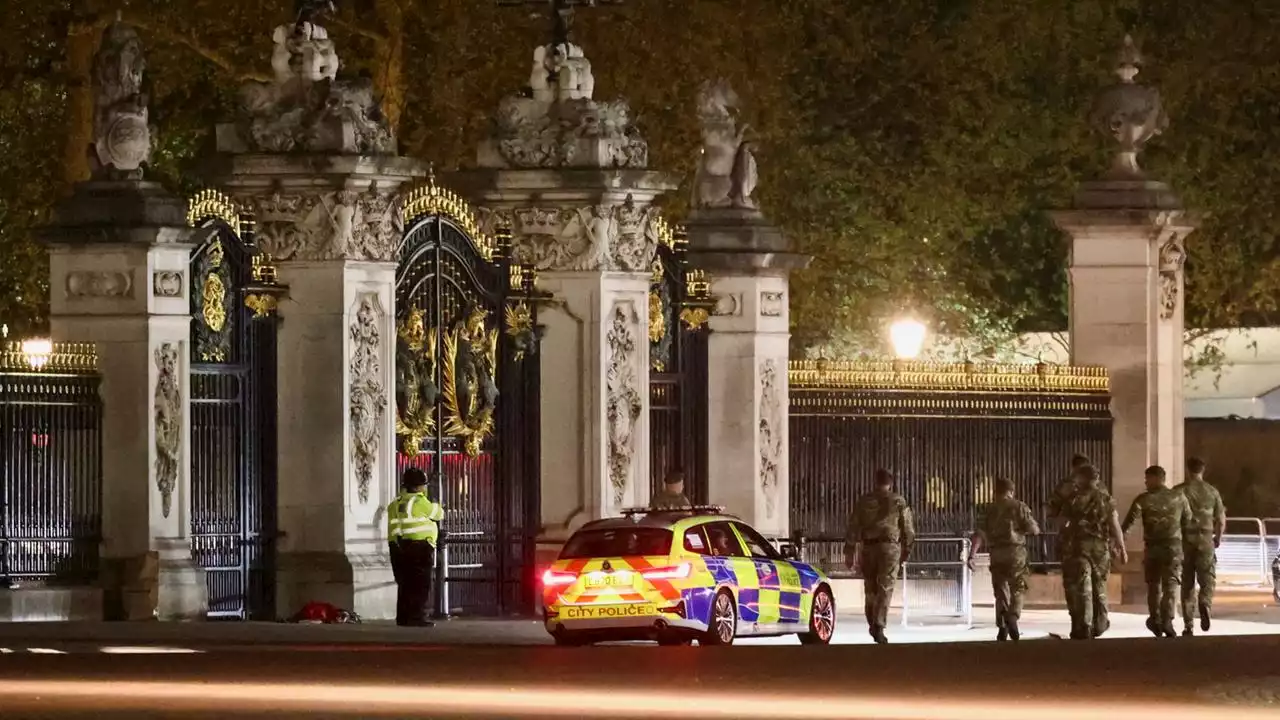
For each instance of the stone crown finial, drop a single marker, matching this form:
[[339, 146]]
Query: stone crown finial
[[1133, 114]]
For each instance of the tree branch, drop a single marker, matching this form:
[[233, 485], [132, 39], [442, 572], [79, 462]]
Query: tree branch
[[198, 48], [359, 30]]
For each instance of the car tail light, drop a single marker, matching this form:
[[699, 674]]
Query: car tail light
[[668, 573], [552, 578]]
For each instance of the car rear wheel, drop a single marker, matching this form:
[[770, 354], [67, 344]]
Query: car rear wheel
[[822, 619], [724, 621]]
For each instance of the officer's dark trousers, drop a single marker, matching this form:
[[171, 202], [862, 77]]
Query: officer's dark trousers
[[412, 563]]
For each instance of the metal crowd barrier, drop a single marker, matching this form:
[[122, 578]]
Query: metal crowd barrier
[[1244, 555], [937, 583]]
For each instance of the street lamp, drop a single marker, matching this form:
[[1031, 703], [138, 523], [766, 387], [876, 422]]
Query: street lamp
[[37, 352], [907, 336]]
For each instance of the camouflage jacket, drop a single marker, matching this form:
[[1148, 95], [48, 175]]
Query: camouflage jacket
[[1056, 508], [1088, 516], [880, 519], [1208, 514], [1006, 523], [666, 500], [1164, 513]]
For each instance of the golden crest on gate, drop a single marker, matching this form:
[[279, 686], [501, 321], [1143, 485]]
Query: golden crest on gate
[[416, 391], [469, 379]]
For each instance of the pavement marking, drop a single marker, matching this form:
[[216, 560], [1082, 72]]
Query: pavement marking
[[148, 651], [46, 651]]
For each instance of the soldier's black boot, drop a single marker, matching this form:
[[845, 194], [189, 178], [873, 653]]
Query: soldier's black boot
[[877, 634], [1012, 626], [1187, 631], [1001, 634], [1204, 618], [1168, 630], [1153, 626]]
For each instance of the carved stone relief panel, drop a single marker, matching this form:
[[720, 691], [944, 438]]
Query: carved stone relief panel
[[367, 397], [103, 284], [168, 422], [624, 400]]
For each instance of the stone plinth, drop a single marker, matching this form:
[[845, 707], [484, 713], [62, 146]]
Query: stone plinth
[[591, 235], [747, 261], [332, 224], [119, 278], [1126, 303]]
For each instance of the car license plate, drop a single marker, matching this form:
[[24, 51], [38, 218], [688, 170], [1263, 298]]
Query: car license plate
[[604, 612], [602, 579]]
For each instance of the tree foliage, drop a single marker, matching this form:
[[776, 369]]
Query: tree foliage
[[913, 152]]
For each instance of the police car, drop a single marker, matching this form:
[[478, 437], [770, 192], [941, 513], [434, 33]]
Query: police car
[[679, 576]]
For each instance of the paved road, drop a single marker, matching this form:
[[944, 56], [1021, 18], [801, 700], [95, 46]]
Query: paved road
[[1046, 680]]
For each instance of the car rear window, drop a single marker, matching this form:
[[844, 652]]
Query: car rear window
[[618, 542]]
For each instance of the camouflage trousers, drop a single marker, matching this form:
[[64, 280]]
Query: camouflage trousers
[[879, 566], [1009, 574], [1084, 578], [1162, 569], [1199, 568]]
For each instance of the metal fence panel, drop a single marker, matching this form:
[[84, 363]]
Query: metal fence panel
[[1244, 556], [51, 477], [937, 585]]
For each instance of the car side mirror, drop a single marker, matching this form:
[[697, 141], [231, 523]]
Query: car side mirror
[[790, 552]]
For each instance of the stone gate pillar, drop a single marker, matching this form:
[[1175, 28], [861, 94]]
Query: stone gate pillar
[[119, 260], [747, 261], [568, 175], [1128, 237], [313, 161]]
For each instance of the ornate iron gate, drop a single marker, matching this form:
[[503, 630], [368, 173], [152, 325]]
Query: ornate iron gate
[[946, 431], [233, 412], [678, 312], [467, 400]]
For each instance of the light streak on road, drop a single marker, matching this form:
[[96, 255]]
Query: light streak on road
[[126, 650], [548, 702], [45, 651]]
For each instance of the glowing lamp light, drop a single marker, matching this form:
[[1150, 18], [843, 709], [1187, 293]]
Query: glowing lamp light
[[37, 352], [907, 336]]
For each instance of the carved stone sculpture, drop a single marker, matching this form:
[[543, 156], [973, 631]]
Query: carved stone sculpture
[[306, 108], [168, 423], [624, 401], [770, 437], [345, 224], [557, 123], [121, 134], [368, 399], [727, 172], [1131, 113], [1172, 257], [594, 237], [99, 283]]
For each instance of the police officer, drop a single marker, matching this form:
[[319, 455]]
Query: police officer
[[672, 497], [1003, 527], [877, 542], [411, 531]]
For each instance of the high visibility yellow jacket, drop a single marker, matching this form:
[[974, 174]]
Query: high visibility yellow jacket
[[411, 516]]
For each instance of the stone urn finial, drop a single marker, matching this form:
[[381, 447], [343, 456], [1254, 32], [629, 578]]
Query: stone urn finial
[[121, 130], [1133, 114]]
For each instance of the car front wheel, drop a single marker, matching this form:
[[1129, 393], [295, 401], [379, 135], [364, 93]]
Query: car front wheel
[[724, 621], [822, 619]]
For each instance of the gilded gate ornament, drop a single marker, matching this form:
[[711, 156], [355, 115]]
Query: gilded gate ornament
[[416, 391], [470, 390], [213, 331], [521, 330]]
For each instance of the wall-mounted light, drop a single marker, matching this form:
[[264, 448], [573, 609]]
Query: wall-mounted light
[[907, 336]]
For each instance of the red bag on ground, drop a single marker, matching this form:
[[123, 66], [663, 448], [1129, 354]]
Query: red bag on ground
[[322, 613]]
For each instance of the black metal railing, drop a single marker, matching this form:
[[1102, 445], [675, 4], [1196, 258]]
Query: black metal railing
[[947, 432], [51, 477]]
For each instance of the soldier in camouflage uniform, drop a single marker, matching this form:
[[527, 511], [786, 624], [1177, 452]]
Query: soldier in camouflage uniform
[[1164, 513], [1199, 544], [672, 497], [1057, 504], [878, 541], [1093, 535], [1003, 527]]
